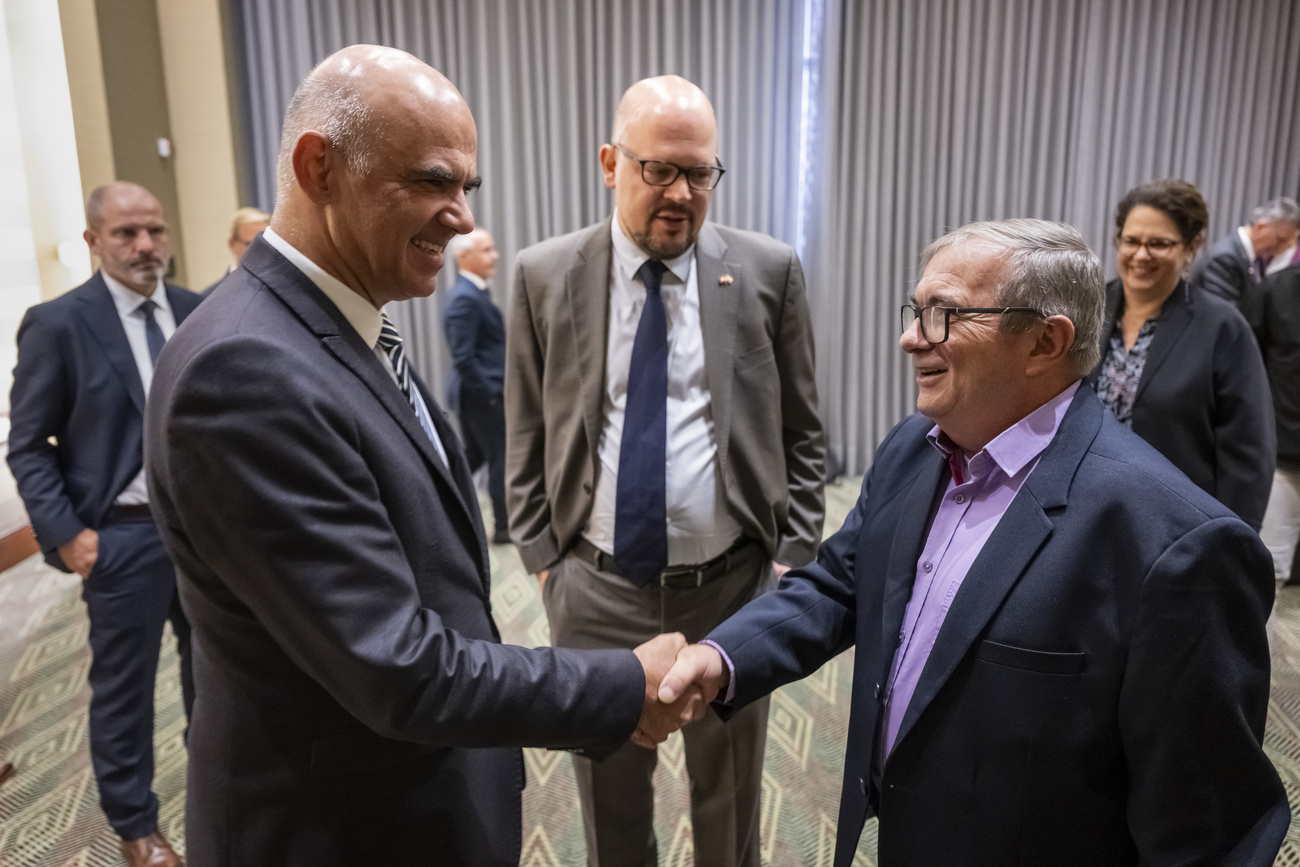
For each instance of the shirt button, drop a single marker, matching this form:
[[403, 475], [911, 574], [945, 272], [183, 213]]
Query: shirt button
[[959, 499], [928, 566], [901, 636]]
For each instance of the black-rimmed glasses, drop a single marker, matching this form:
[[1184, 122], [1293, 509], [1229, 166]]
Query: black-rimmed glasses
[[935, 320], [658, 173], [1157, 248]]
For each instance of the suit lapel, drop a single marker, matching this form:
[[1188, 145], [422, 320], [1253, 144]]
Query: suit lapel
[[339, 337], [1023, 530], [587, 286], [718, 322], [99, 314], [1174, 319], [909, 539], [460, 473]]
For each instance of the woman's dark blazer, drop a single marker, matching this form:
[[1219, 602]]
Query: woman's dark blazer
[[1203, 400]]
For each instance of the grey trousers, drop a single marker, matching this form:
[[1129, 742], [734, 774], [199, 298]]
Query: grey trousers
[[588, 608]]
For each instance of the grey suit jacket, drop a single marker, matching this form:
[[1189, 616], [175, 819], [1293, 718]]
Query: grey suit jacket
[[758, 356], [1224, 270]]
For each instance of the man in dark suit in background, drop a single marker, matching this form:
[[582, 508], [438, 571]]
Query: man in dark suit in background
[[663, 446], [1060, 648], [1241, 258], [1273, 311], [476, 335], [85, 365], [354, 703]]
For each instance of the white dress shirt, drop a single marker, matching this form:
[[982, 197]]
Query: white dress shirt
[[700, 525], [128, 303], [360, 314]]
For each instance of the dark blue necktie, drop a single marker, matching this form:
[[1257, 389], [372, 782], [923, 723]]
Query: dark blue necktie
[[641, 506], [1259, 267], [153, 335]]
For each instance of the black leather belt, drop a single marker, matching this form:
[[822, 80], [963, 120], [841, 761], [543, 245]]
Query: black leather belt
[[676, 577], [130, 513]]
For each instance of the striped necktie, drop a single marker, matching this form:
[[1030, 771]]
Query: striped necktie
[[390, 341]]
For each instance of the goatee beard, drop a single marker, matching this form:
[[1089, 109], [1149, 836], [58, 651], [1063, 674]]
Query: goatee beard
[[663, 251]]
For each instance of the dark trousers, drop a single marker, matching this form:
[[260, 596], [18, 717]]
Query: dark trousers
[[130, 594], [483, 425]]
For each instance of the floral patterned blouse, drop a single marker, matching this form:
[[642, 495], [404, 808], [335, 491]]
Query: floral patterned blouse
[[1121, 372]]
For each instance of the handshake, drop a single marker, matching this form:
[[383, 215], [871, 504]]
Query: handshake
[[680, 681]]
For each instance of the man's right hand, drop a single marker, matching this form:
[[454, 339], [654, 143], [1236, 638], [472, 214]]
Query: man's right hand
[[698, 675], [80, 554], [541, 579]]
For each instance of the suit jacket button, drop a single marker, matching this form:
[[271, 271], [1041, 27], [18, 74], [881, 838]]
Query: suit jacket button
[[586, 487], [877, 692], [862, 784]]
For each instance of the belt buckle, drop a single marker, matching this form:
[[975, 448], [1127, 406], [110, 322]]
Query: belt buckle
[[666, 574]]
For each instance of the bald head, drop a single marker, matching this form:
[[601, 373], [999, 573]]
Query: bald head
[[663, 129], [377, 157], [126, 230], [355, 97], [116, 192], [664, 97]]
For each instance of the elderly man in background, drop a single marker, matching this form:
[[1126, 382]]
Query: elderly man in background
[[476, 335], [1239, 260], [1060, 647], [354, 703], [85, 365], [664, 452]]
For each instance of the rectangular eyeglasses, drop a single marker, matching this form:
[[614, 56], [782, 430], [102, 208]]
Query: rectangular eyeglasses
[[935, 320]]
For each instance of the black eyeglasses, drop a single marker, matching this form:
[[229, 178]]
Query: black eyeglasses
[[934, 320], [658, 173], [1157, 248]]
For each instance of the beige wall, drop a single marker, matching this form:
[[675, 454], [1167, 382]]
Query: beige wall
[[194, 61], [86, 88], [157, 69]]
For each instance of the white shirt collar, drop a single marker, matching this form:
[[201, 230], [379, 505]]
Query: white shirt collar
[[630, 257], [128, 301], [1245, 242], [359, 312], [474, 278]]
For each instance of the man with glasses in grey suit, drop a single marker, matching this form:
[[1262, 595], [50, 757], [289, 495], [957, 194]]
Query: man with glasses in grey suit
[[663, 447]]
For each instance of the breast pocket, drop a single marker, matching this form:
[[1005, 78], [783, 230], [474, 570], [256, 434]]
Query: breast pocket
[[1022, 697], [1024, 659]]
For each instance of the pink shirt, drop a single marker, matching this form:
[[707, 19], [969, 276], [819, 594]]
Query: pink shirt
[[968, 514]]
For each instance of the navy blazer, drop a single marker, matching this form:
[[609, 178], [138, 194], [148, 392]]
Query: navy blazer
[[1203, 400], [1098, 689], [1225, 269], [76, 382], [476, 334], [354, 704]]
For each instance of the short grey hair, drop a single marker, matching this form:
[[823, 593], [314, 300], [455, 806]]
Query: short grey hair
[[1283, 209], [1048, 267], [332, 106], [457, 246]]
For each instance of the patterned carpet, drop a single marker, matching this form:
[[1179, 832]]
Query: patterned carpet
[[49, 812]]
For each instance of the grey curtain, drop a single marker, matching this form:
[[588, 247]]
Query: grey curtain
[[857, 130], [939, 112], [543, 78]]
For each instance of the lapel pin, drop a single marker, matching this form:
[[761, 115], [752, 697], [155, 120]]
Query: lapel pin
[[726, 280]]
